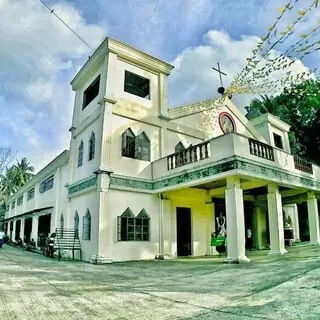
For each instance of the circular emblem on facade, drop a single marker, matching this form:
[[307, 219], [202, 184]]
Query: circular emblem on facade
[[226, 123]]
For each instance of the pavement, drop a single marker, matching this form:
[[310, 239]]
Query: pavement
[[33, 286]]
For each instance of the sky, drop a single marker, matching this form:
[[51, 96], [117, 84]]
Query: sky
[[39, 56]]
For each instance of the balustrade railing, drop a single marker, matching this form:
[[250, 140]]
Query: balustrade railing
[[303, 165], [189, 155], [261, 150]]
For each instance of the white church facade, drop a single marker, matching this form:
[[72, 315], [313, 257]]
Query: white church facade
[[141, 180]]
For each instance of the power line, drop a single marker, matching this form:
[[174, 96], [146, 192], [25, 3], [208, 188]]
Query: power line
[[76, 34]]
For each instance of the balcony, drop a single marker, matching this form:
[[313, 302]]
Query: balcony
[[190, 155], [230, 146]]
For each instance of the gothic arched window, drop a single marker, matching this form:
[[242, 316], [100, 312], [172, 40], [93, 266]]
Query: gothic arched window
[[86, 226], [80, 154], [179, 147], [142, 147], [76, 223], [142, 230], [128, 144], [126, 226], [92, 143]]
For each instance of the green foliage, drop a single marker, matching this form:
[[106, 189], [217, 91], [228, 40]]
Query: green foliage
[[300, 108], [15, 177]]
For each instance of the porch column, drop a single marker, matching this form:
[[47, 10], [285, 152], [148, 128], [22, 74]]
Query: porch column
[[275, 220], [14, 231], [22, 229], [313, 219], [235, 222], [260, 227], [34, 228], [165, 241], [296, 226]]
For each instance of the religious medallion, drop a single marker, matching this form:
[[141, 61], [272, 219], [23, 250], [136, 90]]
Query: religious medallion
[[226, 123]]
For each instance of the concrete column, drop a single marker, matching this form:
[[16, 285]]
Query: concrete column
[[34, 229], [55, 217], [260, 227], [165, 243], [235, 222], [167, 227], [22, 229], [313, 216], [14, 230], [105, 225], [296, 227], [275, 220], [36, 195]]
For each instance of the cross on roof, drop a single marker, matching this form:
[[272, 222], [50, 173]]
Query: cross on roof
[[220, 73]]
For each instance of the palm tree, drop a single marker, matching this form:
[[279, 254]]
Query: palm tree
[[15, 177], [23, 172]]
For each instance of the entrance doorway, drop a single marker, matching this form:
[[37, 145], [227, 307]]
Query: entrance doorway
[[183, 232], [44, 224], [18, 227], [303, 221], [27, 229]]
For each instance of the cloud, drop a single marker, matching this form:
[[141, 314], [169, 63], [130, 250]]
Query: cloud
[[193, 78], [38, 58]]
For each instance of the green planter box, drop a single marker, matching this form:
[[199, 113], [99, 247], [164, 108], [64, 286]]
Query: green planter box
[[217, 241]]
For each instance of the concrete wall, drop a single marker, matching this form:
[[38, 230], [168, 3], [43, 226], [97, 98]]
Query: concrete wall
[[133, 250], [81, 203]]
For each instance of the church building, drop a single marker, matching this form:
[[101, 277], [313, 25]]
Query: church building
[[141, 181]]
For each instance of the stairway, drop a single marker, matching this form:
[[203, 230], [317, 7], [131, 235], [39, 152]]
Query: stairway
[[67, 239]]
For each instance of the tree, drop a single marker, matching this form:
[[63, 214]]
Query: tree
[[15, 177], [7, 154], [300, 108]]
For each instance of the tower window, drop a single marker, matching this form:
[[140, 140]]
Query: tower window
[[277, 141], [80, 154], [128, 144], [91, 92], [92, 143], [135, 147], [137, 85]]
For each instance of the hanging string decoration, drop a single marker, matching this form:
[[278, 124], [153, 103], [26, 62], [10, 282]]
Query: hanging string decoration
[[271, 67]]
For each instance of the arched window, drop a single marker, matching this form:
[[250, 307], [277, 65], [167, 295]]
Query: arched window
[[142, 147], [128, 144], [80, 154], [86, 226], [76, 223], [61, 225], [179, 147], [131, 228], [92, 143], [180, 156], [126, 226], [142, 226]]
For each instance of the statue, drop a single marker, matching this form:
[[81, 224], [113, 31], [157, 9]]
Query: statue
[[221, 222]]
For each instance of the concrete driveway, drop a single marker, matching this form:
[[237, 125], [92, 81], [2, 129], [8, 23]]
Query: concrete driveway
[[279, 287]]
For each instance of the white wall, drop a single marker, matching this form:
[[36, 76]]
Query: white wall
[[208, 122], [87, 167], [129, 166], [80, 204], [151, 105], [134, 250], [93, 105]]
